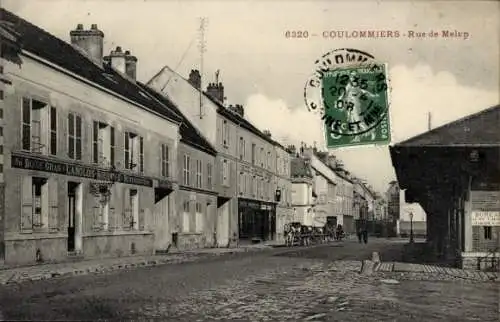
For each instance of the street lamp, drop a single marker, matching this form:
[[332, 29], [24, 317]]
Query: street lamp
[[411, 228]]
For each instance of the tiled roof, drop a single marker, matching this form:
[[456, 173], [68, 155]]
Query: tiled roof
[[189, 134], [480, 128], [42, 44]]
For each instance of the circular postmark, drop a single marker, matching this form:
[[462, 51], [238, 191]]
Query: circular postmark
[[349, 90]]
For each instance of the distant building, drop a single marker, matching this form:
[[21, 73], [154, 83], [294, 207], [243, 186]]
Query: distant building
[[252, 171]]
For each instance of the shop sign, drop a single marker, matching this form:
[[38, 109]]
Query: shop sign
[[485, 200], [486, 218], [77, 170]]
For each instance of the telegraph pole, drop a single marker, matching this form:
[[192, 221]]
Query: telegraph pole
[[202, 48]]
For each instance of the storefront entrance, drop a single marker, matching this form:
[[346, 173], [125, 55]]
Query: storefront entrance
[[256, 220]]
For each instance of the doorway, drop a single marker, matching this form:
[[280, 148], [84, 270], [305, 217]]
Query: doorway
[[74, 216]]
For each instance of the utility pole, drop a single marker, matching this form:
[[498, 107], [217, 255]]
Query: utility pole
[[429, 123], [202, 48]]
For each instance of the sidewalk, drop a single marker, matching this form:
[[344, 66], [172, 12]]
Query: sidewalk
[[48, 271], [421, 270]]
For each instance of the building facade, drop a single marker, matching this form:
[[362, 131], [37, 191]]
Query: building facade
[[79, 179], [194, 222], [302, 189], [249, 179]]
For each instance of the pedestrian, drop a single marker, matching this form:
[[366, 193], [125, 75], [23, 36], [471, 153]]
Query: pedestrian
[[365, 236]]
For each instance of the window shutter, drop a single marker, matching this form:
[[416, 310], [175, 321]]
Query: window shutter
[[53, 204], [142, 214], [127, 211], [26, 204], [112, 217]]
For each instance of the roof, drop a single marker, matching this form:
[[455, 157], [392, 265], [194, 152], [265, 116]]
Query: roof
[[189, 134], [244, 123], [42, 44], [300, 168], [478, 129]]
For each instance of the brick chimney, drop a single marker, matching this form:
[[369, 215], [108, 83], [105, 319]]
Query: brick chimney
[[238, 109], [195, 78], [130, 65], [117, 60], [89, 41], [216, 91]]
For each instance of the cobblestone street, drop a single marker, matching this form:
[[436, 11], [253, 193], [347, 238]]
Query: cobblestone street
[[320, 283]]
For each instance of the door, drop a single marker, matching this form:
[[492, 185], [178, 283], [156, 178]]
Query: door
[[71, 215], [223, 224]]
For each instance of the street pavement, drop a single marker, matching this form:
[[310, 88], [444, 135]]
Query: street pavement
[[319, 283]]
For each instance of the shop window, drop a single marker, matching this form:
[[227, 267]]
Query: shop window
[[487, 232], [200, 218], [102, 144], [74, 136]]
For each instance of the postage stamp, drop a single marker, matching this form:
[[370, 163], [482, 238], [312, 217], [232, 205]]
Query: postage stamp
[[349, 90]]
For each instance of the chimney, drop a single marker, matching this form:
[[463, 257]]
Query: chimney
[[117, 60], [90, 41], [130, 65], [267, 133], [216, 91], [195, 78]]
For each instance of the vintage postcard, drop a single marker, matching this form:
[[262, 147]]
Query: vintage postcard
[[266, 160]]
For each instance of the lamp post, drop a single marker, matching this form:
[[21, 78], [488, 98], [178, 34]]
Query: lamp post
[[411, 228]]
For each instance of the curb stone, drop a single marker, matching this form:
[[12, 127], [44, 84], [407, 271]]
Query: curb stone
[[174, 259]]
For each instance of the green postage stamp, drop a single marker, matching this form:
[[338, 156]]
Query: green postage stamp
[[349, 90], [356, 105]]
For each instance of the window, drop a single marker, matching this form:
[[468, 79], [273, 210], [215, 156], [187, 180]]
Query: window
[[253, 153], [487, 232], [209, 175], [103, 138], [242, 148], [254, 185], [186, 170], [74, 136], [200, 218], [141, 154], [241, 182], [164, 160], [225, 172], [198, 174], [35, 203], [112, 146], [36, 133], [132, 209], [268, 159], [261, 157], [185, 216], [53, 131], [225, 133], [134, 150]]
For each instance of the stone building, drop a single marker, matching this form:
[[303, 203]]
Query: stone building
[[82, 152], [250, 185], [193, 224]]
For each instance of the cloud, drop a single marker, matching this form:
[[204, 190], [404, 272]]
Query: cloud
[[415, 92]]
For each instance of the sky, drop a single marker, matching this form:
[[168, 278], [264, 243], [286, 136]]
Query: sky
[[266, 72]]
